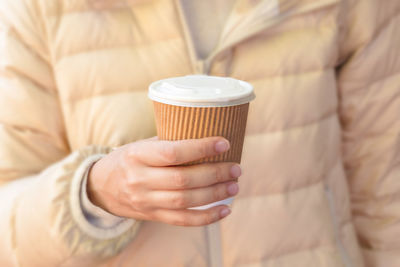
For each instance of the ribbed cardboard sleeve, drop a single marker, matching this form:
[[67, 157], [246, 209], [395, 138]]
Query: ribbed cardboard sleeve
[[178, 122]]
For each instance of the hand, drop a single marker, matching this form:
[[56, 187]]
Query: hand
[[141, 180]]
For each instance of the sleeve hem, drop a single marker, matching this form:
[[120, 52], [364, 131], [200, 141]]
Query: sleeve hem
[[78, 214], [94, 214]]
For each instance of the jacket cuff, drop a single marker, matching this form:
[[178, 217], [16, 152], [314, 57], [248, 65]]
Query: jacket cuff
[[67, 222], [103, 223], [97, 223]]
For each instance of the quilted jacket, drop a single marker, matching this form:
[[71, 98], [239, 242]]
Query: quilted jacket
[[321, 159]]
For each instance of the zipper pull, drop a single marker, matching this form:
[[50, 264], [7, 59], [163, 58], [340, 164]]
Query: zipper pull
[[202, 67]]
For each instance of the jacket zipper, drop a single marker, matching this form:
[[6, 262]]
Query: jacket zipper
[[342, 251], [202, 66], [212, 232], [213, 240]]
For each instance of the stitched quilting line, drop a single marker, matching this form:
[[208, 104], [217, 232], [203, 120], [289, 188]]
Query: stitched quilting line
[[48, 90], [305, 186], [129, 90], [23, 128], [394, 196], [87, 9], [323, 69], [17, 36], [362, 87], [327, 116], [139, 45], [132, 46], [270, 258]]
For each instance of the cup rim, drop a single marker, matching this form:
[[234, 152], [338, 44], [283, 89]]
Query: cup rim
[[246, 95]]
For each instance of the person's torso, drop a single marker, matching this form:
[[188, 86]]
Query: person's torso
[[293, 207]]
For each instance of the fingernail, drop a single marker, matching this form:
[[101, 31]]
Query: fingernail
[[225, 212], [236, 171], [233, 189], [221, 146]]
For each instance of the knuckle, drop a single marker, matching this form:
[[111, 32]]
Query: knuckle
[[179, 201], [215, 194], [180, 179], [218, 173], [133, 181], [133, 151], [203, 149], [150, 216], [170, 154], [207, 219], [182, 221], [218, 192], [135, 201]]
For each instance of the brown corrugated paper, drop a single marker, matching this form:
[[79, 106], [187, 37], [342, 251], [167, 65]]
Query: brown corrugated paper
[[177, 123]]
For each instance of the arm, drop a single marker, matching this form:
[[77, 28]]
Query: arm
[[41, 222], [369, 85]]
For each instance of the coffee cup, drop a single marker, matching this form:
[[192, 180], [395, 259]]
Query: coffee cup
[[197, 106]]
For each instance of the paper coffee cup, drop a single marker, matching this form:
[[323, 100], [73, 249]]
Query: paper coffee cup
[[198, 106]]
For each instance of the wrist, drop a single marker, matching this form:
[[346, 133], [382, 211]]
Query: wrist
[[93, 195]]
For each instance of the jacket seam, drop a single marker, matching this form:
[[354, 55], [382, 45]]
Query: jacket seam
[[323, 69], [369, 85], [105, 94], [48, 90], [376, 135], [18, 37], [283, 255], [54, 137], [329, 115], [290, 191], [129, 90], [115, 47], [321, 180], [376, 250], [371, 201], [90, 9]]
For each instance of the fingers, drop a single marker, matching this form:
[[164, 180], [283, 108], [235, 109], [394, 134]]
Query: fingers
[[192, 217], [189, 177], [183, 199], [166, 153]]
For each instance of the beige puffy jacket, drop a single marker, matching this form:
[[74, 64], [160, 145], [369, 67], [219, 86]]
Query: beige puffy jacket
[[321, 183]]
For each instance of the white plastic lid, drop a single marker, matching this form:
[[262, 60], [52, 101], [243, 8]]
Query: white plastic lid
[[201, 91]]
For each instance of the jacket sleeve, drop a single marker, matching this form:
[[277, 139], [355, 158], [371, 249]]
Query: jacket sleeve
[[369, 83], [41, 219]]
